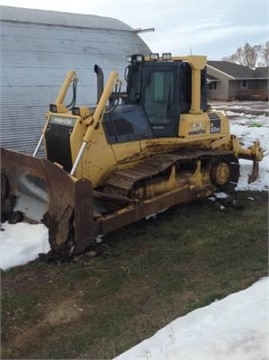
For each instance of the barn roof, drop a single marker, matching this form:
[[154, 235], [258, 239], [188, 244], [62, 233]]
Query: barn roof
[[9, 13]]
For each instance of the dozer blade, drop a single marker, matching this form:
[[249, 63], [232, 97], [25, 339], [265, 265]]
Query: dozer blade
[[43, 192]]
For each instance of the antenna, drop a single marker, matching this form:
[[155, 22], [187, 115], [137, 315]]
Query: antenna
[[138, 31]]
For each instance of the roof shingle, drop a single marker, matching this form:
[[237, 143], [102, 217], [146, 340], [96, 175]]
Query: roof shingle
[[238, 71], [232, 69]]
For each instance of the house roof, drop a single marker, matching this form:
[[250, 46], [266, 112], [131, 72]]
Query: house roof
[[232, 69], [262, 72], [211, 78], [237, 71]]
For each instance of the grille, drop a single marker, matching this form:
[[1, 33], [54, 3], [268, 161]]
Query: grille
[[57, 138]]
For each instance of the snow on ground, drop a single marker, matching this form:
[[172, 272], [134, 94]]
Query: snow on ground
[[21, 243], [234, 328], [249, 128]]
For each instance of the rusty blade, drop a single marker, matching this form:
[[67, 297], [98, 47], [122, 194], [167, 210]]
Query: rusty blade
[[44, 192], [27, 185]]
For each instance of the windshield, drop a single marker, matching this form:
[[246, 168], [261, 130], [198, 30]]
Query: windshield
[[159, 92]]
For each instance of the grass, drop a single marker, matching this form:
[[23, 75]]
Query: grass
[[256, 124], [146, 275]]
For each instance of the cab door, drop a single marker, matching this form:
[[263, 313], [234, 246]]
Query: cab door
[[159, 100]]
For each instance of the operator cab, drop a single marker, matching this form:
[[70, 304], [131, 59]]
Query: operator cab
[[158, 91], [163, 88]]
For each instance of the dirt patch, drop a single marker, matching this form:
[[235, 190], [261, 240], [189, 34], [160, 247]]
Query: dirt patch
[[65, 312], [26, 336]]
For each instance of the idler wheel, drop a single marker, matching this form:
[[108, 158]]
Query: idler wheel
[[220, 173]]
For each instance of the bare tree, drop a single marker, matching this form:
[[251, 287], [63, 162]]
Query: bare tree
[[251, 56], [265, 53]]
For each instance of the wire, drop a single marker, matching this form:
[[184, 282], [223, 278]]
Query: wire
[[74, 99]]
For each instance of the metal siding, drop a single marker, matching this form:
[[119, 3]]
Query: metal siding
[[35, 59]]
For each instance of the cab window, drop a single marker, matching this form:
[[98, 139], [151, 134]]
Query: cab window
[[159, 92]]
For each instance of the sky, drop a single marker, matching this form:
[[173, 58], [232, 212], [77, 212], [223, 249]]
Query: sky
[[215, 28]]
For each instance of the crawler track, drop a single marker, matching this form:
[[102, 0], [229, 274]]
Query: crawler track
[[126, 181]]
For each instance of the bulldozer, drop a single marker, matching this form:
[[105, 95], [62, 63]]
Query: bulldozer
[[136, 152]]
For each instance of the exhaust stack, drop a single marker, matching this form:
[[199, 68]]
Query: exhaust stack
[[100, 81]]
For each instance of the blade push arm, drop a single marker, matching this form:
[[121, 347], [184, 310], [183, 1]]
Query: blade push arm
[[96, 116]]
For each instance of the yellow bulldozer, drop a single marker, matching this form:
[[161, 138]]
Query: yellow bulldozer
[[137, 152]]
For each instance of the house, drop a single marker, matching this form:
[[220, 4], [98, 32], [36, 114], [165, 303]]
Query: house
[[38, 47], [230, 81]]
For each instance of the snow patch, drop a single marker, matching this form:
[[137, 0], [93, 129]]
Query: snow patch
[[233, 328], [21, 243]]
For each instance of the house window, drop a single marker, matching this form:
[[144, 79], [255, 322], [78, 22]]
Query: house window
[[244, 84], [212, 85]]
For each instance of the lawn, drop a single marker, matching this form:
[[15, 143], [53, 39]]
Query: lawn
[[142, 277]]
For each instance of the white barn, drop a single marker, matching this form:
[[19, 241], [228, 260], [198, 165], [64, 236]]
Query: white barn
[[38, 48]]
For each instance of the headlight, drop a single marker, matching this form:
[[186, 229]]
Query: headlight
[[138, 58], [53, 108], [76, 111], [135, 58], [166, 56], [154, 56]]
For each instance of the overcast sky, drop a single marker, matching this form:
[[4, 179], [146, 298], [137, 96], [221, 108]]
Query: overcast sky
[[213, 28]]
